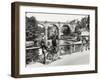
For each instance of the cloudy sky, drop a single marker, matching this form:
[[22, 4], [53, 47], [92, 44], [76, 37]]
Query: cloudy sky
[[55, 17]]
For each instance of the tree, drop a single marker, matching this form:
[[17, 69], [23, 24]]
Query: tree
[[66, 30], [78, 27], [83, 24], [31, 28], [88, 22]]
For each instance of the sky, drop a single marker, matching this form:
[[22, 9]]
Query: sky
[[54, 17]]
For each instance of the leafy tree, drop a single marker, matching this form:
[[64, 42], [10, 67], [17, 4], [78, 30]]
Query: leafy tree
[[83, 24], [88, 22], [66, 30], [31, 28]]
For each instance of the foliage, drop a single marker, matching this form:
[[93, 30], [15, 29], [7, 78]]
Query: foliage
[[33, 31], [53, 32], [83, 24], [31, 28], [66, 30]]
